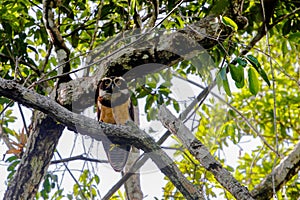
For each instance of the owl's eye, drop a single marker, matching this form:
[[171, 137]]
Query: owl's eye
[[107, 82], [118, 82]]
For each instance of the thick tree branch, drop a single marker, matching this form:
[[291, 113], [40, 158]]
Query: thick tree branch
[[282, 173], [87, 126], [202, 154], [45, 131], [137, 165], [143, 56], [62, 51]]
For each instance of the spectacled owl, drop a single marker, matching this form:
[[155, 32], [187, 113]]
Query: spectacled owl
[[114, 107]]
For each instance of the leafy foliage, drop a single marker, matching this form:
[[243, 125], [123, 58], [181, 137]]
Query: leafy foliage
[[260, 85]]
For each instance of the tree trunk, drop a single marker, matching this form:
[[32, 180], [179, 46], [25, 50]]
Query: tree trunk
[[42, 142], [133, 184]]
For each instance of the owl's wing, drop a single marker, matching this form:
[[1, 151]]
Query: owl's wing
[[97, 102], [131, 110], [117, 154]]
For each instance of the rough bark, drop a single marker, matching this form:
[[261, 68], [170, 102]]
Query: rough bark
[[133, 184], [39, 152], [130, 134], [287, 168], [136, 166], [46, 131], [145, 55], [201, 153]]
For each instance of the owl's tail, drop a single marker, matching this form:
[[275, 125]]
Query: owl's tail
[[117, 154]]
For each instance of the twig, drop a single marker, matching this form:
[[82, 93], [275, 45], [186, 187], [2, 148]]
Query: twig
[[80, 157], [274, 97], [73, 177], [49, 50], [5, 138], [241, 115], [23, 119]]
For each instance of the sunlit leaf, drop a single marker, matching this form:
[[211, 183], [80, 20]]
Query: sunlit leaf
[[253, 81], [229, 22], [176, 106]]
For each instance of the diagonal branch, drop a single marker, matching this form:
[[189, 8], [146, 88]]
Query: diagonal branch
[[282, 173], [202, 154], [87, 126]]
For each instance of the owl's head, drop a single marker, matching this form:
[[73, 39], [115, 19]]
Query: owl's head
[[112, 91]]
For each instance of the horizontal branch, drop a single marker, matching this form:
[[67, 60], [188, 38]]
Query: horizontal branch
[[147, 53], [130, 133], [201, 153]]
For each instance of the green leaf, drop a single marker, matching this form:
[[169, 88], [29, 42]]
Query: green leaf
[[134, 100], [13, 165], [241, 61], [160, 99], [254, 62], [75, 189], [229, 168], [152, 114], [219, 81], [240, 84], [143, 92], [149, 101], [286, 27], [225, 81], [47, 185], [97, 179], [223, 73], [176, 106], [253, 81], [229, 130], [75, 40], [294, 37], [263, 74], [229, 22], [258, 68], [226, 87], [12, 158], [237, 73]]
